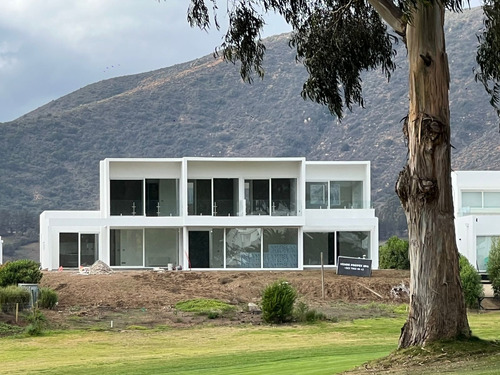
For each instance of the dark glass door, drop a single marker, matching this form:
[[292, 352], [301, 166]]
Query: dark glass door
[[199, 249]]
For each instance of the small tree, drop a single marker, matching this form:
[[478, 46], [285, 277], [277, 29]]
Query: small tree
[[394, 254], [278, 299], [471, 283], [493, 267], [20, 271]]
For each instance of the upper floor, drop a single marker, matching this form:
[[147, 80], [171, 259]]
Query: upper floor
[[476, 192], [206, 189]]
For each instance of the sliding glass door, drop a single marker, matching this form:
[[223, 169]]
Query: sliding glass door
[[276, 197], [78, 249]]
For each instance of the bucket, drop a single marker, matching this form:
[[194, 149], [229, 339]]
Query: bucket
[[170, 266]]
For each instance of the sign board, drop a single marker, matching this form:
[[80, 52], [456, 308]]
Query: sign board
[[354, 266]]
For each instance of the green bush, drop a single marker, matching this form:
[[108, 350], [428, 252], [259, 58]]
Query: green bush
[[493, 267], [394, 254], [471, 283], [13, 294], [20, 271], [302, 313], [278, 299], [37, 322], [47, 298]]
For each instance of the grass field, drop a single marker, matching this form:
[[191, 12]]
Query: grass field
[[322, 348]]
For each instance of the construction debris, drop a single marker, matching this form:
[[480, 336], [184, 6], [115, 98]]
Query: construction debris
[[99, 268]]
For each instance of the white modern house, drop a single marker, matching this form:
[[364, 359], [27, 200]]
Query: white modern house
[[476, 196], [218, 213]]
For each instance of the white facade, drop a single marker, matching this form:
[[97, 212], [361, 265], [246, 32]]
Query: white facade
[[476, 196], [218, 213]]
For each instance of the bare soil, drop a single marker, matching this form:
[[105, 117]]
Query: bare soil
[[148, 298]]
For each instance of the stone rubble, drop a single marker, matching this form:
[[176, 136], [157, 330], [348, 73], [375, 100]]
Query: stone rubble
[[99, 268]]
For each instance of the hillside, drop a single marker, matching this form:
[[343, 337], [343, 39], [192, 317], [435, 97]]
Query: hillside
[[49, 157]]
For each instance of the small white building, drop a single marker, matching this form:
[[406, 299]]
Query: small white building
[[218, 213], [476, 196]]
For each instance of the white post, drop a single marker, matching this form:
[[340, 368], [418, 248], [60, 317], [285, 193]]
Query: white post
[[1, 250]]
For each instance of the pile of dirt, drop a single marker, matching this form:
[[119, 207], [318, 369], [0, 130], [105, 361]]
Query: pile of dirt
[[134, 289], [95, 295]]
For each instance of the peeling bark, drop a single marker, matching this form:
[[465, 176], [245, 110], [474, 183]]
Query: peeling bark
[[437, 308]]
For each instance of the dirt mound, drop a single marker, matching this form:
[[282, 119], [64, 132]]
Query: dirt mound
[[148, 298], [145, 289]]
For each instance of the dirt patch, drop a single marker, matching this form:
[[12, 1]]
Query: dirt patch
[[148, 298]]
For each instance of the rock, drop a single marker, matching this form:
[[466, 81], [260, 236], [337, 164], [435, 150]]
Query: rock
[[253, 308], [99, 268]]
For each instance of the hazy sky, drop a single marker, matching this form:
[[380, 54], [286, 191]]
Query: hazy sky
[[50, 48]]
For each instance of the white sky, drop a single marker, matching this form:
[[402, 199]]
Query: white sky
[[50, 48]]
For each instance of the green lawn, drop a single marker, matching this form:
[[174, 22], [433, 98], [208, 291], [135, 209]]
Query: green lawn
[[324, 348]]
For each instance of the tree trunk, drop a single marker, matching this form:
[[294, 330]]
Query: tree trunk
[[437, 308]]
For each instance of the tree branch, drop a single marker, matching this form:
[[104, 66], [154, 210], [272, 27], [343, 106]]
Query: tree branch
[[391, 14]]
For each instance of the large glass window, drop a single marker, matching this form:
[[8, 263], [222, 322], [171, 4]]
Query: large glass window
[[472, 199], [206, 248], [316, 243], [217, 248], [353, 244], [243, 247], [68, 250], [316, 194], [491, 199], [78, 249], [88, 249], [284, 196], [162, 197], [225, 196], [280, 248], [126, 247], [126, 197], [483, 247], [346, 194], [199, 197], [161, 247], [257, 197]]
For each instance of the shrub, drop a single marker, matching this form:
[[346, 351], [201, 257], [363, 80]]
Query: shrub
[[13, 294], [278, 299], [493, 267], [302, 313], [394, 254], [471, 283], [20, 271], [47, 299], [37, 323]]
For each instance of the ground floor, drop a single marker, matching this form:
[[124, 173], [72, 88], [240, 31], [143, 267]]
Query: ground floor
[[206, 247]]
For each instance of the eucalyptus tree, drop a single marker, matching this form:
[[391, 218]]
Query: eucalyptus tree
[[338, 39]]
